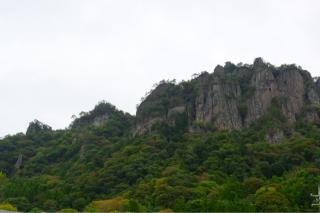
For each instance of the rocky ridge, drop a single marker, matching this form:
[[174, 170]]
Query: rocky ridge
[[233, 97]]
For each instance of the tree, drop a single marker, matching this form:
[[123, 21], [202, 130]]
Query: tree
[[269, 200], [3, 183], [67, 210], [114, 204], [36, 127], [50, 206], [22, 203]]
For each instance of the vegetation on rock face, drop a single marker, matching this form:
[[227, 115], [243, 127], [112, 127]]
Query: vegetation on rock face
[[36, 126], [107, 117], [183, 165]]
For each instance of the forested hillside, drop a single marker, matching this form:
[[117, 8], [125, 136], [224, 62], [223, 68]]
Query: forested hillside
[[105, 161]]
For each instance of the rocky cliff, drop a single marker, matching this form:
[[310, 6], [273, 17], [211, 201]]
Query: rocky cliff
[[233, 97]]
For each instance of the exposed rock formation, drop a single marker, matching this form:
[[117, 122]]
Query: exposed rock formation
[[233, 97], [19, 162], [275, 137], [103, 113], [82, 150]]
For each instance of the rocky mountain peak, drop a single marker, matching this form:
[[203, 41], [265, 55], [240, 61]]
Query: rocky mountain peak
[[233, 97], [259, 63]]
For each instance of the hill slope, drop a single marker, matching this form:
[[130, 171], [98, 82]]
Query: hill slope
[[209, 144]]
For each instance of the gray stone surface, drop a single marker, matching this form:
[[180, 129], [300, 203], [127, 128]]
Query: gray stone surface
[[233, 97]]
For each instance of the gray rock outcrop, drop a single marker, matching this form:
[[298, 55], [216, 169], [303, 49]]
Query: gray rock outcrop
[[18, 162], [233, 96]]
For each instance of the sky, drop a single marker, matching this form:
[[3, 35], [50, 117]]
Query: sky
[[61, 57]]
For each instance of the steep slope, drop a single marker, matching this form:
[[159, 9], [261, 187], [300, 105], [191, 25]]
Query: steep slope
[[233, 97]]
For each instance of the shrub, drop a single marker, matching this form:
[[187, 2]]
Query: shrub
[[8, 207]]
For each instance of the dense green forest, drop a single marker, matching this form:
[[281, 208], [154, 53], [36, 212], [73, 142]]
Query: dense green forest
[[106, 168]]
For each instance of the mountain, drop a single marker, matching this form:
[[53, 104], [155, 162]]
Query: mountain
[[243, 138], [233, 97]]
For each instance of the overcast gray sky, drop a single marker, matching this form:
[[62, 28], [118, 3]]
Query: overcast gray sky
[[58, 58]]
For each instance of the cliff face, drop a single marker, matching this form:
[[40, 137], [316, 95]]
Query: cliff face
[[233, 97]]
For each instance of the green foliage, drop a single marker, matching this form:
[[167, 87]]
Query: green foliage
[[111, 205], [50, 205], [199, 126], [106, 119], [36, 127], [243, 110], [269, 200], [8, 207], [67, 210], [99, 169], [22, 203], [36, 210]]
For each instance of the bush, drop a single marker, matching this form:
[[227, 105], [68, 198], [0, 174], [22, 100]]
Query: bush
[[8, 207], [115, 204], [67, 210], [269, 200]]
